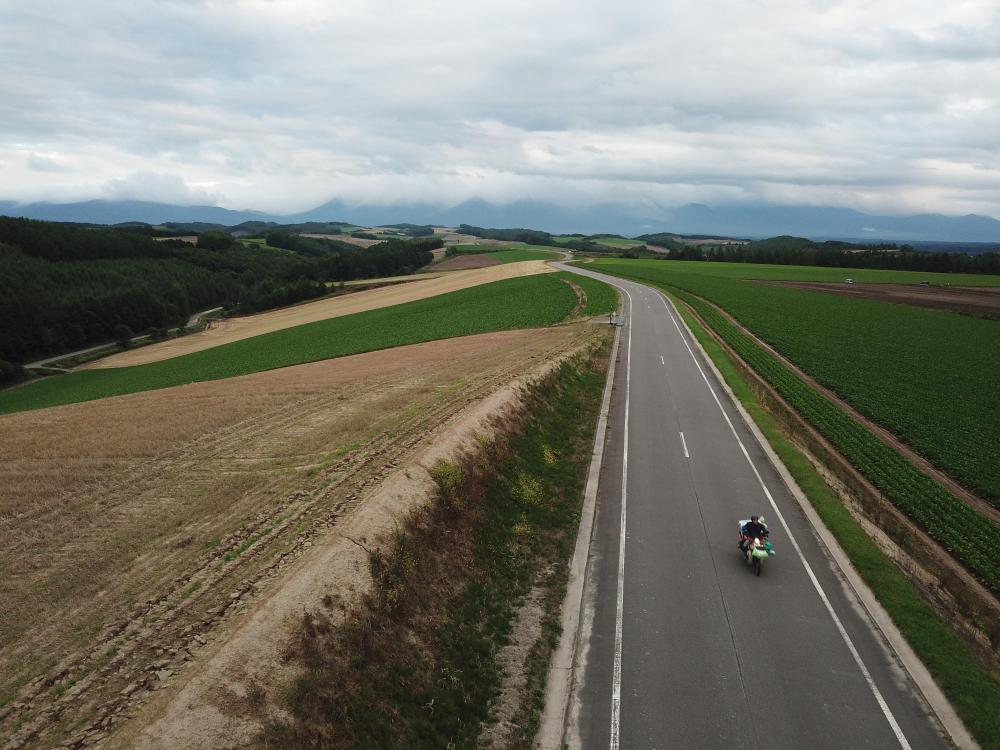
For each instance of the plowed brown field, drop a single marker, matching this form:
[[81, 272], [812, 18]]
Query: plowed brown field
[[461, 262], [236, 329], [138, 526]]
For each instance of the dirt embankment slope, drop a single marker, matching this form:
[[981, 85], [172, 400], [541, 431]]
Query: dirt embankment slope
[[237, 329], [134, 548]]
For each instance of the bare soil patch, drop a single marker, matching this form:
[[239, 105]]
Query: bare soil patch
[[462, 262], [983, 301], [142, 525], [359, 241], [236, 329]]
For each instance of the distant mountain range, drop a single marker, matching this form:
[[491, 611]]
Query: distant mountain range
[[752, 220], [119, 212]]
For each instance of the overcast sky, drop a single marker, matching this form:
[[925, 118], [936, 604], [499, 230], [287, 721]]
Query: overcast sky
[[882, 105]]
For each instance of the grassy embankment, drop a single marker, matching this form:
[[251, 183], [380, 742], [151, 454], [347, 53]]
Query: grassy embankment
[[416, 665], [968, 683], [601, 298]]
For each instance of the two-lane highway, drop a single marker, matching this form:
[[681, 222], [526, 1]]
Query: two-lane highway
[[688, 649]]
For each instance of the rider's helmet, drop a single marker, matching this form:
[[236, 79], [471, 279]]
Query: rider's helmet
[[754, 517]]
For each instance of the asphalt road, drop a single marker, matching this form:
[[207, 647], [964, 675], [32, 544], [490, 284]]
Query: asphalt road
[[688, 649]]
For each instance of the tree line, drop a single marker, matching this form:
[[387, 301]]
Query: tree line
[[64, 288], [529, 236], [798, 251]]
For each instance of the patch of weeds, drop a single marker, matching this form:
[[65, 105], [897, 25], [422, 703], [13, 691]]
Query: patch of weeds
[[345, 449], [549, 456], [249, 542], [190, 589], [58, 690]]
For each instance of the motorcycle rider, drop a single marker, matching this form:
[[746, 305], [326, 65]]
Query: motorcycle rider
[[755, 528]]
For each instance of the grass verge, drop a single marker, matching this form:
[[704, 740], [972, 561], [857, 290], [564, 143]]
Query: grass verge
[[601, 297], [972, 688], [525, 302], [415, 665]]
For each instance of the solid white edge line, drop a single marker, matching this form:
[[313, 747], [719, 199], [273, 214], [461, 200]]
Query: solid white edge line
[[616, 675], [685, 446], [900, 737]]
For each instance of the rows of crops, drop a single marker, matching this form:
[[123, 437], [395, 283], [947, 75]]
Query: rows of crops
[[927, 376], [968, 535], [814, 273], [524, 302]]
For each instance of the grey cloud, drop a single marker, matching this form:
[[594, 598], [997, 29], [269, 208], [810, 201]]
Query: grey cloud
[[721, 97], [163, 188], [40, 163]]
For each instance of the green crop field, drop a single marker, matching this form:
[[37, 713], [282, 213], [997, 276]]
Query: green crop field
[[601, 298], [766, 272], [524, 302], [926, 375], [508, 253]]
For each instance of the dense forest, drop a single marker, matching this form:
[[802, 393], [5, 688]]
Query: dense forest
[[530, 236], [798, 251], [65, 287]]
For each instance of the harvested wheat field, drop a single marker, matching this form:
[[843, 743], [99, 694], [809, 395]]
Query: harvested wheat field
[[236, 329], [144, 529]]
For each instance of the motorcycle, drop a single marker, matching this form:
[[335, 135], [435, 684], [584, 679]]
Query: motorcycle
[[755, 550]]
